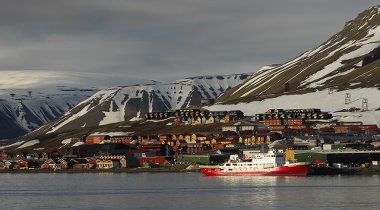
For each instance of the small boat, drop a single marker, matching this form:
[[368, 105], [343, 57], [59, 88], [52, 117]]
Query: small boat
[[271, 163]]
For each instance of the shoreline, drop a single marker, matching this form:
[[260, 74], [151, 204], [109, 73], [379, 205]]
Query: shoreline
[[362, 172], [114, 170]]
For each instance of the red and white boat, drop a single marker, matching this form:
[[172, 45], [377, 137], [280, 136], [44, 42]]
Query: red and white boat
[[271, 163]]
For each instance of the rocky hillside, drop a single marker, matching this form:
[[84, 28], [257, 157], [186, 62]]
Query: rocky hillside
[[131, 102], [348, 60]]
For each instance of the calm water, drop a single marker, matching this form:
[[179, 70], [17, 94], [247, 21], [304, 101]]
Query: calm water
[[186, 191]]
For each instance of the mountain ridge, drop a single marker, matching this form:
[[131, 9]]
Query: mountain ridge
[[125, 103], [335, 64]]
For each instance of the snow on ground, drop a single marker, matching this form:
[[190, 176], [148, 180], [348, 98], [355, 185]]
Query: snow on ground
[[256, 79], [77, 115], [112, 117], [29, 143], [112, 133], [370, 117], [66, 141], [136, 119], [12, 145], [77, 144], [321, 99]]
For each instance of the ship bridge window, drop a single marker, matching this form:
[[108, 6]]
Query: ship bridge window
[[228, 164]]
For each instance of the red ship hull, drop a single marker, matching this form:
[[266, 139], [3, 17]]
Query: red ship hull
[[286, 170]]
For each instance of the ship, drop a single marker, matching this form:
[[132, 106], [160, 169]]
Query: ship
[[271, 163]]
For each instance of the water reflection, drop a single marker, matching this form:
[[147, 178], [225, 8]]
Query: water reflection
[[186, 191], [254, 180], [257, 191]]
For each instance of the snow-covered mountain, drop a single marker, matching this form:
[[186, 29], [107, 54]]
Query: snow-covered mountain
[[346, 65], [31, 98], [23, 110], [118, 104]]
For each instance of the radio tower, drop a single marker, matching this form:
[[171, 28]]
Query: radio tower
[[347, 99], [365, 104]]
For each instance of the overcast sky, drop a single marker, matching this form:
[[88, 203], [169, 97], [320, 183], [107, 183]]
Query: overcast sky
[[165, 39]]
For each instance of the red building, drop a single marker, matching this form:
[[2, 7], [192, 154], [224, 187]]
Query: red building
[[96, 139]]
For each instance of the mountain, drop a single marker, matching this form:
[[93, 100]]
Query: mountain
[[125, 103], [22, 111], [32, 98], [346, 65]]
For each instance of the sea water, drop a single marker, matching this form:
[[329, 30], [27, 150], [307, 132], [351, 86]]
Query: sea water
[[186, 191]]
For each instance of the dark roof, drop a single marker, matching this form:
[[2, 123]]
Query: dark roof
[[79, 160]]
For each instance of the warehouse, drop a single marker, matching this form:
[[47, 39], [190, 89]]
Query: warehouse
[[346, 157]]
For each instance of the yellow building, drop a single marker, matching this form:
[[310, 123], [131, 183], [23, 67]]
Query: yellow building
[[193, 137], [104, 164], [211, 120]]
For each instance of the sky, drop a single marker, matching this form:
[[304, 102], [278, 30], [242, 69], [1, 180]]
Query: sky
[[163, 39]]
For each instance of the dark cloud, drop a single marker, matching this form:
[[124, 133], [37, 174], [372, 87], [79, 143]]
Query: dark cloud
[[165, 39]]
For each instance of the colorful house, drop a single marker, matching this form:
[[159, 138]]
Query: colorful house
[[104, 164]]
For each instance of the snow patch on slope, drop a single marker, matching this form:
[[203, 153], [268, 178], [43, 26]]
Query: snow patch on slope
[[12, 145], [77, 144], [365, 46], [75, 116], [29, 143]]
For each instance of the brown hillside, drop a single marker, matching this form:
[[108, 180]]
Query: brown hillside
[[295, 76]]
